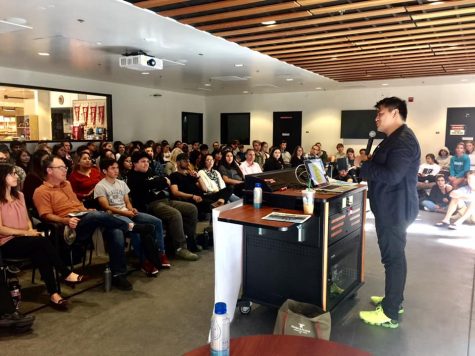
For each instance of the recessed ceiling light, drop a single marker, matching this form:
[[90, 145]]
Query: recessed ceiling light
[[207, 84], [435, 2], [464, 80], [245, 92], [98, 43], [145, 73], [318, 88], [43, 54], [385, 84], [461, 69], [239, 65], [334, 58], [150, 39], [289, 79], [267, 23]]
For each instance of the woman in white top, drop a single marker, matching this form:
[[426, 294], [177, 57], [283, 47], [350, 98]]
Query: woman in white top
[[211, 182], [443, 159], [428, 170]]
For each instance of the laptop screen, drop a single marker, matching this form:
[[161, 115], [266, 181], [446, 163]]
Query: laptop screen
[[316, 171]]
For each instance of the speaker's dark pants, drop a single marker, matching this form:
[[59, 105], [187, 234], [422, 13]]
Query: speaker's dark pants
[[392, 242]]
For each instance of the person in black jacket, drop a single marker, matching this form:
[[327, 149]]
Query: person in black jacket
[[392, 177], [149, 194], [275, 161]]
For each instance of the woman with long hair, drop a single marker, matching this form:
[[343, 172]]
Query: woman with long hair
[[231, 173], [18, 239], [23, 160], [84, 178], [297, 156], [34, 178], [275, 161], [212, 184], [171, 167], [125, 166]]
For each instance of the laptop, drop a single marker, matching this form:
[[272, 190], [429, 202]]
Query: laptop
[[320, 180]]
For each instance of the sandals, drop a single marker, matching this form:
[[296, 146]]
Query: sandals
[[442, 224], [452, 227], [61, 305]]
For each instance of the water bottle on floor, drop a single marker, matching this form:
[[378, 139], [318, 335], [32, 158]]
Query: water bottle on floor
[[107, 279], [219, 331]]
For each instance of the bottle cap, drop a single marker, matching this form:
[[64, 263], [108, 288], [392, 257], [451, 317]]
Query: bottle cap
[[220, 308], [258, 185]]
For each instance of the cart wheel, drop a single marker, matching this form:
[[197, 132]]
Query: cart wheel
[[245, 310]]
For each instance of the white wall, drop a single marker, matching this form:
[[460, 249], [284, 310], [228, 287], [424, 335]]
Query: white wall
[[136, 113], [321, 111]]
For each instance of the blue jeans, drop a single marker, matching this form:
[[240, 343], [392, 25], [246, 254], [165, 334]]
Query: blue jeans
[[113, 233], [143, 218], [431, 206]]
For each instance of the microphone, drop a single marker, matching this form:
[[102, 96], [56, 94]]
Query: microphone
[[372, 135]]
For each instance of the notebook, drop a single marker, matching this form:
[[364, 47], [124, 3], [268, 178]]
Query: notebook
[[320, 180]]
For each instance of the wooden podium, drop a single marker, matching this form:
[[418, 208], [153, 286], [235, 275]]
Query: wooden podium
[[320, 261]]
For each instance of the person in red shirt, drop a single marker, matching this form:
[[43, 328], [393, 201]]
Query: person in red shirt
[[84, 179]]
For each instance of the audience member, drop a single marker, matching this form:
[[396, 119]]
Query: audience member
[[34, 178], [265, 150], [322, 154], [56, 201], [275, 161], [459, 166], [259, 158], [212, 184], [119, 149], [439, 197], [284, 154], [231, 173], [166, 153], [125, 165], [22, 160], [150, 194], [113, 197], [462, 198], [18, 239], [83, 180], [428, 170], [297, 156], [19, 171], [249, 166], [217, 158], [443, 158], [60, 151], [470, 151], [171, 166]]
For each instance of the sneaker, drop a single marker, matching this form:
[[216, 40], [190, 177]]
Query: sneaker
[[164, 260], [16, 319], [426, 208], [378, 318], [377, 300], [69, 235], [149, 269], [185, 254], [120, 282]]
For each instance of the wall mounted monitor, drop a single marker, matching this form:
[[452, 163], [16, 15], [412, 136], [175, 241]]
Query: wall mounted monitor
[[358, 124]]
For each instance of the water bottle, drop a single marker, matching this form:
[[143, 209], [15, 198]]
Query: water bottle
[[15, 293], [107, 279], [257, 196], [219, 331]]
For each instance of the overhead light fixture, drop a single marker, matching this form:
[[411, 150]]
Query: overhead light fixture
[[289, 79], [245, 92], [207, 84], [239, 65], [435, 2], [318, 88], [145, 73], [268, 23], [461, 69], [385, 84], [334, 58], [150, 39], [44, 54]]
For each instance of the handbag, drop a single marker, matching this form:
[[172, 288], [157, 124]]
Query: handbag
[[302, 319]]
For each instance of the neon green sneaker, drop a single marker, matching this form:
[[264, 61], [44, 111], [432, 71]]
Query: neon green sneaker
[[377, 300], [377, 317]]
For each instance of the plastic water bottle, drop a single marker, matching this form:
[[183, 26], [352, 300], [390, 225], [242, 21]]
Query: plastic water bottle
[[15, 293], [219, 331], [107, 279], [257, 196]]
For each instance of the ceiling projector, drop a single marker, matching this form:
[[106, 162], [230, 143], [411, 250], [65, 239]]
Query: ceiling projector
[[141, 62]]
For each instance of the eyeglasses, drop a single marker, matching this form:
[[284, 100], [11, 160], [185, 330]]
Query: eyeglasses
[[60, 167]]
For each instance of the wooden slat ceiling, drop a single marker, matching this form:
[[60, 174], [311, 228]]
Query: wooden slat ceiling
[[345, 40]]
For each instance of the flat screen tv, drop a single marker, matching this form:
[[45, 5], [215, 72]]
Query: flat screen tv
[[358, 124]]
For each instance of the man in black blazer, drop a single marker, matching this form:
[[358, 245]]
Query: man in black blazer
[[392, 177]]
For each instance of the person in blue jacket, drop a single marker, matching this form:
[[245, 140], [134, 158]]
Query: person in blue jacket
[[459, 166], [391, 173]]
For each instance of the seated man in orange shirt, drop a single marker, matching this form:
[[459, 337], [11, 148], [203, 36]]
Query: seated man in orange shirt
[[56, 201]]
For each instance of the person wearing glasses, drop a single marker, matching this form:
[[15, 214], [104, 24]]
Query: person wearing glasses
[[18, 239], [56, 202]]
